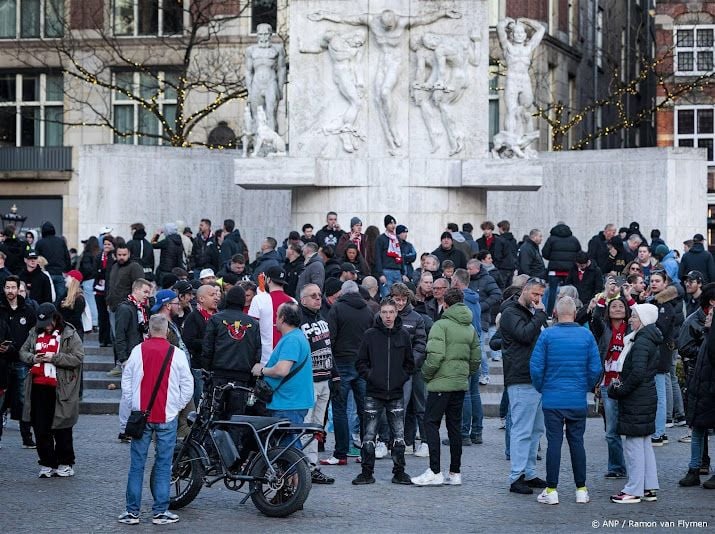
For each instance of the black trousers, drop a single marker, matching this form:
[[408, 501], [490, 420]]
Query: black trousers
[[449, 405], [105, 331], [54, 447]]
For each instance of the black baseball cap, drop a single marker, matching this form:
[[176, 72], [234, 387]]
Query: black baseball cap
[[44, 314], [277, 275], [182, 287], [694, 275], [348, 267]]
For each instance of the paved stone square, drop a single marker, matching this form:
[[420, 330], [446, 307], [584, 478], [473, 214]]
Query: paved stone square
[[91, 500]]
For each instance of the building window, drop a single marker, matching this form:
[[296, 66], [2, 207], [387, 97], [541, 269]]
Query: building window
[[31, 110], [148, 17], [29, 19], [694, 127], [693, 50], [136, 124], [264, 12]]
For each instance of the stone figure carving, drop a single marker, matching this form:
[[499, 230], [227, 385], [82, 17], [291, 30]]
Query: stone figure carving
[[345, 51], [265, 74], [247, 129], [387, 29], [441, 78], [518, 48], [266, 138]]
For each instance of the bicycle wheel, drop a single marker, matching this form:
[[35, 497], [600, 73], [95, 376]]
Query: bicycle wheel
[[187, 475], [285, 493]]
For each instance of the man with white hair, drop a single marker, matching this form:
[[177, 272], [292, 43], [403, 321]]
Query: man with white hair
[[565, 365], [155, 365]]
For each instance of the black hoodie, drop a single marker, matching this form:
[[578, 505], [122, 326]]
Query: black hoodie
[[54, 250], [348, 320], [141, 251], [698, 259], [19, 321], [561, 248], [385, 360]]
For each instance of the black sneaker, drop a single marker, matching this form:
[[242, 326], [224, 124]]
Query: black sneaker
[[29, 444], [466, 442], [318, 477], [613, 475], [679, 421], [477, 439], [656, 442], [692, 478], [536, 482], [520, 486], [400, 478], [665, 439], [709, 483], [705, 469], [124, 438], [362, 479], [649, 496]]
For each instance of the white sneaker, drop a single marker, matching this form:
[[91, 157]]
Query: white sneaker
[[380, 450], [582, 496], [502, 423], [422, 451], [428, 478], [165, 518], [409, 449], [548, 498], [484, 380], [65, 471], [453, 479], [47, 472]]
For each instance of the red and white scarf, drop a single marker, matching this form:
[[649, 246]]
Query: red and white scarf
[[142, 315], [393, 249], [48, 344], [204, 312]]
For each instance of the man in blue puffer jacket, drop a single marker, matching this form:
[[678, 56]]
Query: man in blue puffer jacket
[[565, 366]]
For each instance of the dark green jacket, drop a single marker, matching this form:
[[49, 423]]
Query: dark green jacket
[[453, 351]]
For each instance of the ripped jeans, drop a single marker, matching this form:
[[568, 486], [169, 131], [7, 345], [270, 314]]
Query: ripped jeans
[[395, 410]]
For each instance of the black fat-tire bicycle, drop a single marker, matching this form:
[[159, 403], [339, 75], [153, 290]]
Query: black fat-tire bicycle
[[277, 473]]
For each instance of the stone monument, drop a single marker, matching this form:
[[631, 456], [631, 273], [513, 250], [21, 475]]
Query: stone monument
[[388, 113], [265, 75]]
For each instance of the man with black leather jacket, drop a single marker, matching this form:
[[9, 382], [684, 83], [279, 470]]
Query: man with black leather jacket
[[231, 347]]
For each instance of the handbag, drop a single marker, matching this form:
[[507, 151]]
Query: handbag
[[263, 389], [136, 423]]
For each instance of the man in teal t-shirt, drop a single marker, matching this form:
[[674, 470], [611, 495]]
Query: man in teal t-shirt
[[294, 397]]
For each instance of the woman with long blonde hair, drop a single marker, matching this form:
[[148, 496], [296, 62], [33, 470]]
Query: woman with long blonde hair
[[72, 306]]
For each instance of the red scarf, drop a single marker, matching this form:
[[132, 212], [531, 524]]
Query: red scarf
[[104, 260], [615, 347], [489, 240], [204, 313], [142, 309]]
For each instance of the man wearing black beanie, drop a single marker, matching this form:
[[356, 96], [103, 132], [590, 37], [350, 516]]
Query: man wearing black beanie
[[389, 266]]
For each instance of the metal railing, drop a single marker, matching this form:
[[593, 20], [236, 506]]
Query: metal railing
[[32, 158]]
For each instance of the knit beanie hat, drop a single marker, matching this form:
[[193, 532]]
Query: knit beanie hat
[[647, 313]]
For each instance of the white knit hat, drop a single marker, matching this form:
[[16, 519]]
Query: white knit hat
[[647, 313]]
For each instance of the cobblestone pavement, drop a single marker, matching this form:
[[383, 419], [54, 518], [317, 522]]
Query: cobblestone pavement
[[91, 501]]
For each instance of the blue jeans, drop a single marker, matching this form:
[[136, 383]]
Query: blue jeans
[[393, 276], [527, 427], [697, 444], [296, 417], [493, 354], [660, 413], [472, 412], [484, 365], [616, 462], [507, 434], [552, 293], [88, 290], [575, 422], [198, 385], [58, 281], [675, 408], [161, 479], [353, 419], [349, 381]]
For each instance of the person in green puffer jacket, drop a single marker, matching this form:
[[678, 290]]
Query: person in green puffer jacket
[[453, 354]]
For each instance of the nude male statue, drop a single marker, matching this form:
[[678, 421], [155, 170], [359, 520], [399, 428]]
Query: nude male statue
[[265, 74], [345, 51], [518, 93], [387, 29]]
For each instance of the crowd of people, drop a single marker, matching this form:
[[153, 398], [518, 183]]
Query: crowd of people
[[355, 323]]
